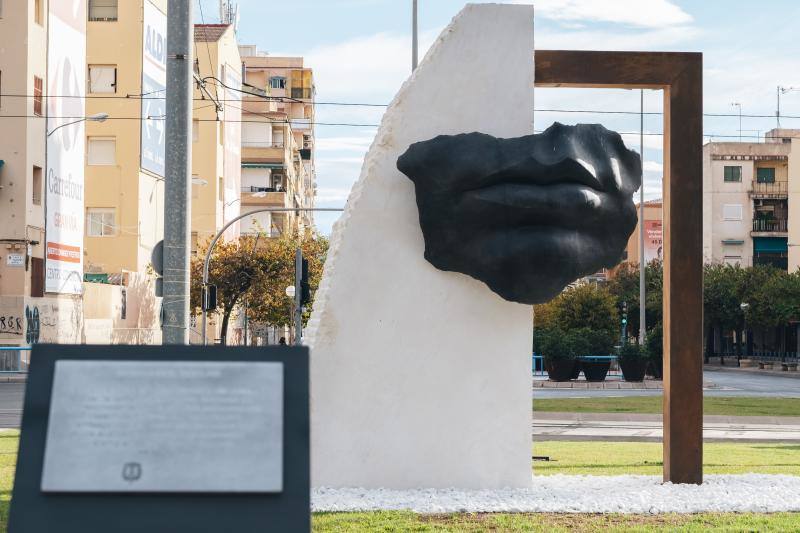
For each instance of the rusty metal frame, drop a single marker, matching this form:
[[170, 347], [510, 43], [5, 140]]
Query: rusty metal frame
[[680, 76]]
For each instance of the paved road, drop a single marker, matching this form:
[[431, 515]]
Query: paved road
[[11, 396], [633, 427], [726, 383]]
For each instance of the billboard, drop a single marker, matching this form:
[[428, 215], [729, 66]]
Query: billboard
[[232, 163], [66, 67], [653, 240], [154, 84]]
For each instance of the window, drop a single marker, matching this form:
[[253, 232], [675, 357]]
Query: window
[[100, 222], [38, 13], [221, 191], [195, 130], [101, 151], [102, 79], [37, 96], [733, 174], [36, 195], [732, 212], [765, 175], [195, 240], [103, 10], [277, 82], [277, 182]]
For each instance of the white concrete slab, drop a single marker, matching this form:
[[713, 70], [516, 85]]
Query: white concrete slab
[[421, 378]]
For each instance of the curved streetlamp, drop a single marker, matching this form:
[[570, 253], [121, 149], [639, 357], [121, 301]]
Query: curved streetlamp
[[97, 117], [207, 260]]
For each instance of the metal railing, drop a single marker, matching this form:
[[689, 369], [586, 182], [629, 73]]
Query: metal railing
[[253, 188], [770, 189], [14, 359], [770, 225]]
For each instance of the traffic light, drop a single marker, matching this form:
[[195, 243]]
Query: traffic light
[[624, 313], [209, 298], [305, 288]]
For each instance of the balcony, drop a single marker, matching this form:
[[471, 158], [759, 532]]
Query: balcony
[[770, 226], [301, 93], [263, 151], [264, 196], [775, 189]]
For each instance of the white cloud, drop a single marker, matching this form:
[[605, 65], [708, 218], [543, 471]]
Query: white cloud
[[653, 166], [348, 144], [364, 69], [640, 13]]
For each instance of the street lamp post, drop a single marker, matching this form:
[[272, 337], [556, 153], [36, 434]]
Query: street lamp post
[[743, 306], [739, 105], [230, 223], [780, 91], [97, 117]]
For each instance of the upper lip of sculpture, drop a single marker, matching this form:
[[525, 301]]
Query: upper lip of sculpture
[[577, 175], [565, 172]]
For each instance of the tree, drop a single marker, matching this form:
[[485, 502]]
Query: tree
[[583, 306], [624, 286], [721, 300], [258, 269]]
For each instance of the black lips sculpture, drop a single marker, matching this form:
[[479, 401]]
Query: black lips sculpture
[[529, 215]]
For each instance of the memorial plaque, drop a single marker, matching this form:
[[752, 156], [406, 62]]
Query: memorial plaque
[[168, 426], [163, 439]]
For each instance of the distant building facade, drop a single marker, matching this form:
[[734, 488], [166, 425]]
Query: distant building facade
[[751, 201], [277, 142]]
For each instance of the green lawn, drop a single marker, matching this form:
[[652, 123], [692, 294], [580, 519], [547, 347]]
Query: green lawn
[[497, 522], [712, 405], [601, 458]]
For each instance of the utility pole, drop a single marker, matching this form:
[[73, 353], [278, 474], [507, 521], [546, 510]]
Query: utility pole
[[642, 265], [739, 105], [177, 202], [298, 295], [414, 38]]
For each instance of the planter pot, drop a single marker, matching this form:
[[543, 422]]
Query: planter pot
[[761, 365], [655, 368], [768, 366], [595, 370], [560, 369], [747, 363], [577, 370], [792, 367], [633, 369]]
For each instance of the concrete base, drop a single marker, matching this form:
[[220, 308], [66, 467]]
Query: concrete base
[[421, 378]]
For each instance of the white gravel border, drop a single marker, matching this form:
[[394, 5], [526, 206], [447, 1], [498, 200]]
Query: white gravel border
[[759, 493]]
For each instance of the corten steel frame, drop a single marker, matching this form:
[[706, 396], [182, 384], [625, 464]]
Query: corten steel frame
[[680, 76]]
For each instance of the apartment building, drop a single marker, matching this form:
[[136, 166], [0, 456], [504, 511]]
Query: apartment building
[[751, 206], [40, 255], [216, 133], [277, 141], [125, 78]]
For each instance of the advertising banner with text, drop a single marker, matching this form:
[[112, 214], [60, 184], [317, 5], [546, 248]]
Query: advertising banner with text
[[653, 240], [154, 84], [233, 147], [66, 78]]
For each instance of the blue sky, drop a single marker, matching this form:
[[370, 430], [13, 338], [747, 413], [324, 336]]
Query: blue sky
[[360, 50]]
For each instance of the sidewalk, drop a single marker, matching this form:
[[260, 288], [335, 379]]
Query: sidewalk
[[753, 370], [649, 428]]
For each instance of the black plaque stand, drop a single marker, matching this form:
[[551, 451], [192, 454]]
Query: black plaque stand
[[287, 511]]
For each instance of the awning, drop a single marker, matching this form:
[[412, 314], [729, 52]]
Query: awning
[[770, 245], [273, 166]]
